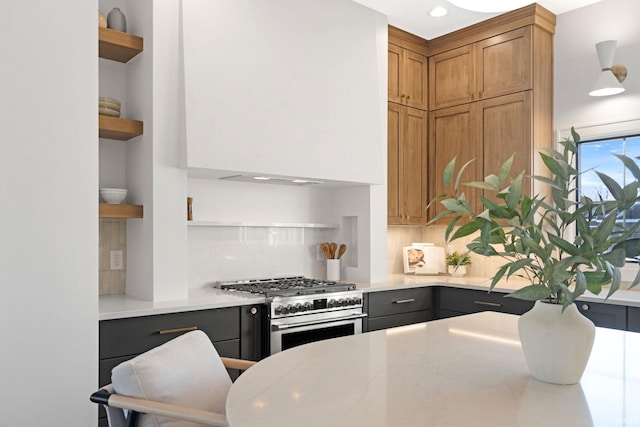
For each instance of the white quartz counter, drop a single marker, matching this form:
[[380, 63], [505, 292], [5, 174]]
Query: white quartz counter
[[462, 371], [122, 306]]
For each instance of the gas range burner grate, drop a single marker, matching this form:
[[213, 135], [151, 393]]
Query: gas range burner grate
[[285, 286]]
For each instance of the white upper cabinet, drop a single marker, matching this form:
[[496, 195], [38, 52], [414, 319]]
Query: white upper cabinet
[[289, 87]]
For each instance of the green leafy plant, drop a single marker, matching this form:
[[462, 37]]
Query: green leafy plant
[[547, 241], [457, 259]]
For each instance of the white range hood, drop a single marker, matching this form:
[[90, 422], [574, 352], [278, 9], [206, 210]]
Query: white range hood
[[285, 89]]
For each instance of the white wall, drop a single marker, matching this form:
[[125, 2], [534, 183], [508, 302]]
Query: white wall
[[270, 83], [49, 214], [577, 67]]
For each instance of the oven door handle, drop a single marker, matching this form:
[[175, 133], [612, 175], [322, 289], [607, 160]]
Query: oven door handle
[[280, 326]]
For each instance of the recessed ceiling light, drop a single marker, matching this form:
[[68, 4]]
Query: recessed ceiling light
[[262, 178], [438, 11], [490, 6]]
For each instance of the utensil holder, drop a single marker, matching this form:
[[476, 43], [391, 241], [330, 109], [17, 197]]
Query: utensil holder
[[333, 269]]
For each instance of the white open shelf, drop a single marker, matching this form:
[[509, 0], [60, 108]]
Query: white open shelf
[[261, 224]]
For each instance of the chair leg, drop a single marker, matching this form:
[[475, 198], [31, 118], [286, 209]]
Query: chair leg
[[132, 418]]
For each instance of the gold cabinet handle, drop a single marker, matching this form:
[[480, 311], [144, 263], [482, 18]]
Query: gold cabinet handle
[[403, 301], [490, 304], [177, 330], [408, 97]]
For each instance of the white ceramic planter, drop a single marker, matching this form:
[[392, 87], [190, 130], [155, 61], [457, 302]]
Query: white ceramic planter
[[556, 344], [457, 272]]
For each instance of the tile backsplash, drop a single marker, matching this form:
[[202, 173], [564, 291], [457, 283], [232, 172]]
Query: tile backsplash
[[241, 252], [399, 236], [113, 236]]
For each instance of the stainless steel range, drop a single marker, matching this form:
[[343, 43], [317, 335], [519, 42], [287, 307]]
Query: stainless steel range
[[303, 310]]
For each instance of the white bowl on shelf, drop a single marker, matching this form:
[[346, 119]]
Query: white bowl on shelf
[[113, 195]]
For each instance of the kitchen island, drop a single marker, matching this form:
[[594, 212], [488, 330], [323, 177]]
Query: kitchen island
[[467, 370]]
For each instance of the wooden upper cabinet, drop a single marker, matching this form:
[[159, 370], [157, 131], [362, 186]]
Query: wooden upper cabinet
[[504, 64], [453, 133], [452, 78], [407, 165], [407, 83], [394, 112], [492, 67], [505, 124]]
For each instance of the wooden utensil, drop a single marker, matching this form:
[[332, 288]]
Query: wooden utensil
[[333, 246], [342, 250], [326, 250]]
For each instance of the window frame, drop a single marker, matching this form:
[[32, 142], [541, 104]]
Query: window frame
[[603, 131]]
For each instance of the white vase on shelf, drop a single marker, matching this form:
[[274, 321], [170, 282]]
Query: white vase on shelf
[[116, 20]]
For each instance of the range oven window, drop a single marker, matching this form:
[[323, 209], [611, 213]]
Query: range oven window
[[293, 339]]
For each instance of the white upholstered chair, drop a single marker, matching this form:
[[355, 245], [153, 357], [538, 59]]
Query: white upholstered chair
[[181, 383]]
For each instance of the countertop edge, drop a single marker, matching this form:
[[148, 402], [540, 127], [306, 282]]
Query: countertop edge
[[113, 307]]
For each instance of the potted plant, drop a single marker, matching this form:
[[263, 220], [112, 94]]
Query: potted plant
[[457, 263], [549, 242]]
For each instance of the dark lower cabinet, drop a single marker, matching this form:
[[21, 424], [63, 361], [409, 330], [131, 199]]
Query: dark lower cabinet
[[234, 331], [388, 309], [604, 315], [456, 302], [633, 319]]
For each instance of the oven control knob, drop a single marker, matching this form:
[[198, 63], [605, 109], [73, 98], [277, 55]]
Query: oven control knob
[[307, 306], [342, 302], [332, 303], [297, 308], [287, 309], [278, 309], [357, 300]]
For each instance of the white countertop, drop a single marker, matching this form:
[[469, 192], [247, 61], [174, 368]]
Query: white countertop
[[123, 306], [461, 371]]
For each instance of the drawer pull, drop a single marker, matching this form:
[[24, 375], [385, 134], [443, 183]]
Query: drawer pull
[[490, 304], [403, 301], [177, 330]]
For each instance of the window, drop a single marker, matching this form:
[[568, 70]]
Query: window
[[598, 155]]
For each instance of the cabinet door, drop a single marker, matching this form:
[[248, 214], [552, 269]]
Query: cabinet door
[[505, 128], [394, 63], [414, 80], [386, 303], [452, 78], [633, 319], [394, 113], [456, 301], [413, 161], [504, 64], [604, 315], [452, 133], [407, 159]]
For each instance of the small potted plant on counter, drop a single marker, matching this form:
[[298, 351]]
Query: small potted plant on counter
[[457, 263], [552, 244]]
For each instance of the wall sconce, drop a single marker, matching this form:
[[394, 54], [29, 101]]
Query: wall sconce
[[608, 82]]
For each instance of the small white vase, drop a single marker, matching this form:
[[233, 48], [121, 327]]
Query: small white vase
[[457, 272], [556, 344], [116, 20]]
